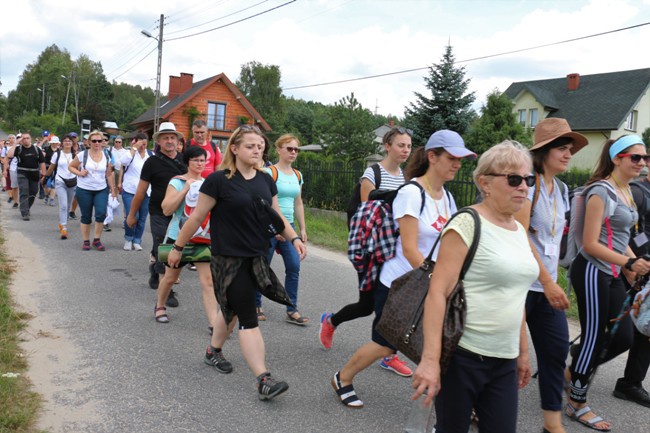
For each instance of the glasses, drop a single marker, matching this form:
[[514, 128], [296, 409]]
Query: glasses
[[292, 149], [514, 180], [402, 130], [118, 142], [250, 128], [635, 157], [97, 141], [198, 161]]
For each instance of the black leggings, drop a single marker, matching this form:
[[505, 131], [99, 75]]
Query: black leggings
[[365, 306], [241, 295]]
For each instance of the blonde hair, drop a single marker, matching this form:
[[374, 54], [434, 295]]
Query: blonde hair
[[230, 159], [501, 157], [286, 139], [95, 132]]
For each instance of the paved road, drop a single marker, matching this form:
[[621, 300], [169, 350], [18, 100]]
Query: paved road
[[105, 365]]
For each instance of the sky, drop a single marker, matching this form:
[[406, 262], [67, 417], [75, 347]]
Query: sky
[[322, 41]]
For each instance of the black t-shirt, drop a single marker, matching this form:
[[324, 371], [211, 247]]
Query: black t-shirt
[[29, 157], [158, 171], [48, 155], [233, 218]]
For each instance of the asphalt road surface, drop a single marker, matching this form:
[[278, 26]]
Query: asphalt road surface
[[104, 365]]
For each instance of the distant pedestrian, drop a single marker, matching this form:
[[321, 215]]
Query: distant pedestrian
[[30, 170], [201, 138], [132, 162], [65, 183]]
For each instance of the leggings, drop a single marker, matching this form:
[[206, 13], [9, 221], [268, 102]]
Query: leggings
[[365, 306], [600, 298], [65, 195], [241, 295]]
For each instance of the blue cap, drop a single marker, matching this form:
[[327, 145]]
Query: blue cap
[[451, 141]]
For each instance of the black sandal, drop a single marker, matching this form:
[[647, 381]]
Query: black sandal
[[163, 318], [300, 320], [260, 315], [346, 393]]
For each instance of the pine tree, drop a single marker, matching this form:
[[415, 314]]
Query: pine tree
[[448, 107]]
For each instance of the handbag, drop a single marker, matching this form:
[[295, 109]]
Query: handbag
[[270, 222], [401, 319], [70, 183], [191, 253]]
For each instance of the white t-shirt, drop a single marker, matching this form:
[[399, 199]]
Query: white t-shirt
[[95, 180], [434, 215], [131, 178], [496, 286], [117, 157], [62, 164]]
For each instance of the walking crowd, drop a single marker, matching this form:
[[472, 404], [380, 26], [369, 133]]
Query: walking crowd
[[510, 241]]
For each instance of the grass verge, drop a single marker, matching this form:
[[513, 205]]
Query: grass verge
[[19, 406]]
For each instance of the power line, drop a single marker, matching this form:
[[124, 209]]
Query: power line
[[232, 23], [217, 19], [368, 77], [136, 64]]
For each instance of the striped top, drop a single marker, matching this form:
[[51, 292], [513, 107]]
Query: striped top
[[388, 181]]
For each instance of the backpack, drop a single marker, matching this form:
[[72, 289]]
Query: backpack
[[109, 158], [355, 200], [274, 173], [576, 221], [149, 152], [202, 234]]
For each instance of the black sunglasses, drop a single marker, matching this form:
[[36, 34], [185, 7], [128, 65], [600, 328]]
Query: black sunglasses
[[250, 128], [407, 131], [635, 157], [514, 180], [97, 141]]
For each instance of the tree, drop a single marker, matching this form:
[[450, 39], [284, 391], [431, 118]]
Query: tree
[[497, 123], [448, 107], [261, 86], [350, 129]]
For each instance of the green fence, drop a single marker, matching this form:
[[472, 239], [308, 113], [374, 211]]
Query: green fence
[[329, 185]]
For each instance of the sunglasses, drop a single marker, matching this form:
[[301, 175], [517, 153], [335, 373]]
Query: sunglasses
[[250, 128], [514, 180], [291, 149], [402, 130], [96, 141], [635, 157]]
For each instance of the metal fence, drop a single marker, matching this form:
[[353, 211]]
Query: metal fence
[[329, 185]]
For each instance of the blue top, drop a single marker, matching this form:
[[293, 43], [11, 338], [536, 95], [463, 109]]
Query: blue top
[[288, 189]]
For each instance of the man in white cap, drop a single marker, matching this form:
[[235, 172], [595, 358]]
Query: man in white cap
[[157, 171]]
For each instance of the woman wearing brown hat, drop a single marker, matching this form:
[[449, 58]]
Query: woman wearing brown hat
[[543, 215]]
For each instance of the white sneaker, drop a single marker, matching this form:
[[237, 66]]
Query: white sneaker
[[128, 245], [137, 247]]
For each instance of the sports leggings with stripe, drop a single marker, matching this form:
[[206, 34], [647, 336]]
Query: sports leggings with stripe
[[600, 297]]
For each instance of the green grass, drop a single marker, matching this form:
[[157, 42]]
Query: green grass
[[327, 230], [19, 406]]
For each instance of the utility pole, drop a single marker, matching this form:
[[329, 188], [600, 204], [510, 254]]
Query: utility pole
[[67, 93], [76, 97], [42, 99], [156, 112]]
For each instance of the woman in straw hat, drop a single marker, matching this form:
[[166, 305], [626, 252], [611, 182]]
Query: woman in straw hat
[[543, 215]]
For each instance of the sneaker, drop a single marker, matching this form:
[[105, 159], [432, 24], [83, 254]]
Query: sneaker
[[137, 247], [107, 228], [10, 200], [15, 206], [63, 231], [171, 300], [26, 217], [267, 387], [52, 201], [393, 363], [128, 245], [72, 216], [191, 267], [633, 393], [86, 246], [153, 277], [326, 333], [217, 360], [98, 244]]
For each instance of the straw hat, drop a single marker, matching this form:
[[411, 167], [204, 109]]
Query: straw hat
[[167, 128], [553, 128]]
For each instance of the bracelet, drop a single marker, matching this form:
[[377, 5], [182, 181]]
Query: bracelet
[[295, 239], [177, 248], [630, 262]]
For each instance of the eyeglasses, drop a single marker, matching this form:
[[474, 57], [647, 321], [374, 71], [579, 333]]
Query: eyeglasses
[[514, 180], [635, 157], [118, 142], [198, 161], [250, 128], [402, 130], [97, 141], [292, 149]]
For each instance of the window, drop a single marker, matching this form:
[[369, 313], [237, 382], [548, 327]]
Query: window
[[522, 117], [533, 117], [216, 116], [220, 142], [630, 122]]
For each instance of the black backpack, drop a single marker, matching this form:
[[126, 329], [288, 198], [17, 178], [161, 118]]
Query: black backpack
[[355, 200]]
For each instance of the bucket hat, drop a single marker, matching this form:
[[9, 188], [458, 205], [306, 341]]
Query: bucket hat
[[553, 128]]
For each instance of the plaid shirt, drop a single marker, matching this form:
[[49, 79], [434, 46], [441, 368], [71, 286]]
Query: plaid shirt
[[372, 240]]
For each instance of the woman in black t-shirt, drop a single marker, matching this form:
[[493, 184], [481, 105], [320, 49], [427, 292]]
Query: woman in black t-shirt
[[239, 247]]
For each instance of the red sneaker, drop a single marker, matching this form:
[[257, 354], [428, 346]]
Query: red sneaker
[[393, 363], [326, 333]]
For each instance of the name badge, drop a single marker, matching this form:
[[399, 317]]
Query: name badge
[[640, 240], [550, 250]]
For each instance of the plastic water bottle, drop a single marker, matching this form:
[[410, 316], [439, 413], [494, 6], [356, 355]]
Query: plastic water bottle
[[418, 416]]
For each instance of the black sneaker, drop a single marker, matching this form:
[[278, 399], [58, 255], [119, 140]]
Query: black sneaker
[[15, 206], [267, 387], [10, 200], [633, 393], [73, 216], [154, 278], [171, 300], [217, 360], [107, 228]]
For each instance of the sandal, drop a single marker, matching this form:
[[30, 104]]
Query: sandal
[[346, 393], [300, 320], [577, 414], [260, 314], [163, 318]]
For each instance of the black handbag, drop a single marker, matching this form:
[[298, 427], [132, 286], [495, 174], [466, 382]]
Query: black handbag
[[270, 222], [70, 183], [401, 319]]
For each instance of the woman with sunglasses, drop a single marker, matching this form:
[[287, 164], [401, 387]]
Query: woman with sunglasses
[[95, 181], [60, 162], [420, 211], [397, 145], [239, 249], [491, 359], [543, 215], [289, 183], [610, 213]]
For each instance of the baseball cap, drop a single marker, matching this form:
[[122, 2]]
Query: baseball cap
[[451, 141], [46, 133], [73, 134]]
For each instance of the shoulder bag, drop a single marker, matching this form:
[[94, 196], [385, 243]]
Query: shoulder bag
[[401, 319], [270, 222]]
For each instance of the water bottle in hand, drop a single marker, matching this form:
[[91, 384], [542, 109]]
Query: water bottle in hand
[[418, 416]]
